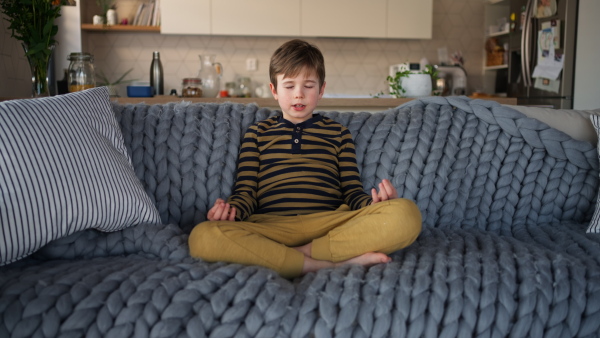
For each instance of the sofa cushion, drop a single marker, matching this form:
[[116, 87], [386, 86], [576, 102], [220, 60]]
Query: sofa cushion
[[575, 123], [64, 168], [594, 226]]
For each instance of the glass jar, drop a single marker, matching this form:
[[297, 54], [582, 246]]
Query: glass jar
[[245, 87], [191, 87], [81, 72], [232, 89]]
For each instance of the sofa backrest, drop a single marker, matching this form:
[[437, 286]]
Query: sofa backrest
[[466, 163]]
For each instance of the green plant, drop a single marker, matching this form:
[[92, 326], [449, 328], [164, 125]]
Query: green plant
[[395, 82], [104, 81], [104, 5], [32, 22]]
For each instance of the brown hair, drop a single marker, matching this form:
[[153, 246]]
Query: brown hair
[[294, 56]]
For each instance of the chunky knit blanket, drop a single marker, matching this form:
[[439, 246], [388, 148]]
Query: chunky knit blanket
[[503, 252]]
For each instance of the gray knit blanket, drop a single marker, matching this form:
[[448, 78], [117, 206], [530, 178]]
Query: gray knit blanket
[[505, 202]]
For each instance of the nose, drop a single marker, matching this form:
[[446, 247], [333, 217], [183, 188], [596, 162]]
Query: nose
[[298, 92]]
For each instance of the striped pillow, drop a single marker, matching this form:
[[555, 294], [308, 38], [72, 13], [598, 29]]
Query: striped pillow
[[64, 168], [594, 226]]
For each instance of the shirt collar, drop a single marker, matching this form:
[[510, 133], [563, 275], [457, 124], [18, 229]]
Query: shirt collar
[[315, 118]]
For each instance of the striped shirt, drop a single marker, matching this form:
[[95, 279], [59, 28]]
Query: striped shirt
[[292, 169]]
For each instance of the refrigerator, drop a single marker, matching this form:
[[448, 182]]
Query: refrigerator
[[528, 49]]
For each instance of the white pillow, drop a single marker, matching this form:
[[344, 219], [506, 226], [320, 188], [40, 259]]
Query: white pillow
[[64, 168], [575, 123], [594, 226]]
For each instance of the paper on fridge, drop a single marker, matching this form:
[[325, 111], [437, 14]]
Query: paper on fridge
[[549, 63]]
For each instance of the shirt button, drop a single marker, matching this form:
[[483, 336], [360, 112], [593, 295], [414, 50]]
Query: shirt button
[[296, 141]]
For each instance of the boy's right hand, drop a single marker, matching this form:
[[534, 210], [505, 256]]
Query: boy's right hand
[[221, 211]]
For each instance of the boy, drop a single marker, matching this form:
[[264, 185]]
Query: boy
[[298, 204]]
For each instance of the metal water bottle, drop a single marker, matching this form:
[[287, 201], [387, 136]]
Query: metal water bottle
[[156, 75]]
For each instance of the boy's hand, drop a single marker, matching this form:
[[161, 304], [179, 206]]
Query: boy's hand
[[221, 211], [386, 192]]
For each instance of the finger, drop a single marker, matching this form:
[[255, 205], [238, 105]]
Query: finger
[[390, 189], [382, 192], [225, 213], [219, 211], [219, 201], [232, 214], [374, 195], [212, 211]]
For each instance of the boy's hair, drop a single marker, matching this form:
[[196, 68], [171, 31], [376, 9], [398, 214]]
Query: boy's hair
[[293, 57]]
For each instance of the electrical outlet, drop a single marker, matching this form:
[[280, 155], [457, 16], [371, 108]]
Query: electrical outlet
[[251, 64]]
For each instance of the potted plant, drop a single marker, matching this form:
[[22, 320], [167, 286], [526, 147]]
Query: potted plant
[[112, 86], [410, 84], [32, 22]]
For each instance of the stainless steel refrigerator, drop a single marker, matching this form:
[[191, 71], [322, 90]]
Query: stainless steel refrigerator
[[524, 54]]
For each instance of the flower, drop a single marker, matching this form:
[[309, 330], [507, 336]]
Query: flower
[[32, 22]]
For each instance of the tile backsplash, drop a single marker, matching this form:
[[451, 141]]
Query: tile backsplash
[[353, 66]]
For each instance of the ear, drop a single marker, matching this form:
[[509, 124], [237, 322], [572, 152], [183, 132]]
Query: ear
[[322, 91], [273, 90]]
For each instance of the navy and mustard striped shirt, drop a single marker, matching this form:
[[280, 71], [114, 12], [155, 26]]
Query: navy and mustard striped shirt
[[292, 169]]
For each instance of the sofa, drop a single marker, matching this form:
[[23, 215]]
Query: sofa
[[98, 201]]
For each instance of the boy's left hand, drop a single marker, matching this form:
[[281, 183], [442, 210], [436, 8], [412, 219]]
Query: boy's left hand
[[386, 192]]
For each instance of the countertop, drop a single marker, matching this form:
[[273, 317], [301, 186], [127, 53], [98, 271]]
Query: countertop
[[324, 104]]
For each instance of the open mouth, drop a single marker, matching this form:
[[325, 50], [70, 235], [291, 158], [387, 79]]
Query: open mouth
[[299, 106]]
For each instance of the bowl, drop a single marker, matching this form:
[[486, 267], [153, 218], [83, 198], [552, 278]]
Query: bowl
[[139, 91]]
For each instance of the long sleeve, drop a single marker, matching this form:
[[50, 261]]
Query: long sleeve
[[352, 188], [244, 197]]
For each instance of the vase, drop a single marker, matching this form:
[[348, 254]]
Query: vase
[[417, 85], [39, 62]]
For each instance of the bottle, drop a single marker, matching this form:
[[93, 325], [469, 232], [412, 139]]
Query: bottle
[[156, 75]]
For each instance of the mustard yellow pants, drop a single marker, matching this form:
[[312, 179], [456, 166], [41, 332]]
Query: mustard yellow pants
[[336, 236]]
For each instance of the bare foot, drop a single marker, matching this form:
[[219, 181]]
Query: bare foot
[[305, 249], [367, 259]]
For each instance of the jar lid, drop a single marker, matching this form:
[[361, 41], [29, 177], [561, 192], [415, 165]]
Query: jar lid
[[192, 80], [80, 56]]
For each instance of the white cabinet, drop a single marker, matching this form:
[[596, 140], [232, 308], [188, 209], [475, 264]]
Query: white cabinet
[[256, 17], [185, 17], [403, 19], [343, 18], [409, 19]]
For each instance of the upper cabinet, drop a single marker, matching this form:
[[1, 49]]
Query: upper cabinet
[[400, 19], [409, 19], [256, 17], [343, 18], [185, 17]]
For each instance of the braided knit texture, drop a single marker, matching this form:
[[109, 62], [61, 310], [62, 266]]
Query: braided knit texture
[[505, 200]]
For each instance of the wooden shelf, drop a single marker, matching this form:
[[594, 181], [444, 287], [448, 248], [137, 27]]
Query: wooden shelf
[[498, 34], [495, 67], [119, 28]]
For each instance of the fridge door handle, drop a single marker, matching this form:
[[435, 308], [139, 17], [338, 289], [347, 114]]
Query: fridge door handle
[[528, 38], [523, 51]]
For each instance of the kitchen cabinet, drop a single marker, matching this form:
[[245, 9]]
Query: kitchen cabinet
[[257, 17], [343, 18], [401, 19], [185, 17], [409, 19]]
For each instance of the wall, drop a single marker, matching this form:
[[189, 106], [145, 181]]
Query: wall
[[14, 69], [587, 72], [354, 66]]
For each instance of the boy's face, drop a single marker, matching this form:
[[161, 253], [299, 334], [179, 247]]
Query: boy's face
[[298, 96]]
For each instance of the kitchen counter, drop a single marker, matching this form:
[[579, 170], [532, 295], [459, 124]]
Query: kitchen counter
[[337, 104], [325, 104]]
